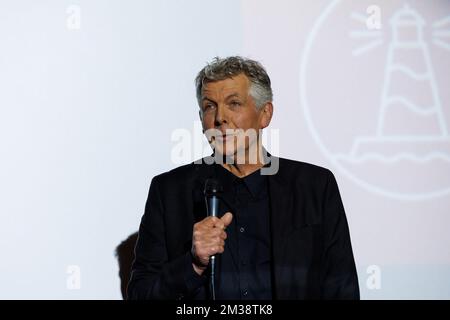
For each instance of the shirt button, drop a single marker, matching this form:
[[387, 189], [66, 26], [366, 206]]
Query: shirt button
[[242, 229], [245, 293]]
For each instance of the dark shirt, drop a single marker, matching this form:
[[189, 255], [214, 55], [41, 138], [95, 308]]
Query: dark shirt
[[243, 269]]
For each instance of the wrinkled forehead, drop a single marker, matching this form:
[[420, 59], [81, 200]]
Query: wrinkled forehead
[[235, 85]]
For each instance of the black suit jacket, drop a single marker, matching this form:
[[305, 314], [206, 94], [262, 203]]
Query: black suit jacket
[[312, 256]]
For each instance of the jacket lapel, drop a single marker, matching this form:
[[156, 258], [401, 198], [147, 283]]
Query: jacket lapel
[[201, 173]]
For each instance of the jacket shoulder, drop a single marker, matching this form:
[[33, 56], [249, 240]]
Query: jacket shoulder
[[179, 174], [294, 168], [182, 174], [304, 175]]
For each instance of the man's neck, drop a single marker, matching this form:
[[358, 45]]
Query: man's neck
[[244, 169]]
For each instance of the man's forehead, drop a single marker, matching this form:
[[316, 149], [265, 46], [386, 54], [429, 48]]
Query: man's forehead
[[231, 86]]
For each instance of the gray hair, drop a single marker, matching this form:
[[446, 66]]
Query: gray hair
[[221, 69]]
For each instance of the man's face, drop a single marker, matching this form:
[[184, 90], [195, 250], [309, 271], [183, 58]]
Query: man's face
[[227, 106]]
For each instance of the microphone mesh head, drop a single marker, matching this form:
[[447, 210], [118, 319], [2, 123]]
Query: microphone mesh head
[[212, 187]]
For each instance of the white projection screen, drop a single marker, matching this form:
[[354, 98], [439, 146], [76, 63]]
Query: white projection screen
[[96, 97]]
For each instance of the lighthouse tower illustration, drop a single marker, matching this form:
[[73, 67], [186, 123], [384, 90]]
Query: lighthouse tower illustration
[[410, 123]]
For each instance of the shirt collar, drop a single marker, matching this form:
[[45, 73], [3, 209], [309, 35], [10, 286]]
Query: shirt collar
[[255, 182]]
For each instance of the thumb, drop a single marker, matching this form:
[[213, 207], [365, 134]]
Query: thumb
[[226, 219]]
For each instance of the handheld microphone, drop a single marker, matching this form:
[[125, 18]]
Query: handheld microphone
[[211, 191]]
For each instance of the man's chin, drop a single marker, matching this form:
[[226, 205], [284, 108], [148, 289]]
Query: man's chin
[[232, 156], [224, 155]]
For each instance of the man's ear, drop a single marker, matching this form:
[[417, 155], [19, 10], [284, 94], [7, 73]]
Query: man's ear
[[266, 115]]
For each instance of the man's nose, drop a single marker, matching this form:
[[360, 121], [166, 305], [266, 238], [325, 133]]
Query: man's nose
[[220, 116]]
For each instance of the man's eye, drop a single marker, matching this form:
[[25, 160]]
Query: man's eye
[[208, 106], [235, 103]]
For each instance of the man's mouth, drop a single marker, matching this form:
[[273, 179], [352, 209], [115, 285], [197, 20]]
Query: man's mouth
[[224, 137]]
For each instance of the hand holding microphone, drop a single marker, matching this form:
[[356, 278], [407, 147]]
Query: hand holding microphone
[[208, 239]]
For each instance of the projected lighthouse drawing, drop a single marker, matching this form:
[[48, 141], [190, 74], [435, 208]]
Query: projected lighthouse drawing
[[408, 127], [407, 153]]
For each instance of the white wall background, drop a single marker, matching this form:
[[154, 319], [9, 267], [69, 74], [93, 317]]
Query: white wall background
[[91, 91]]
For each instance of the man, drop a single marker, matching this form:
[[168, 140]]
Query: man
[[281, 232]]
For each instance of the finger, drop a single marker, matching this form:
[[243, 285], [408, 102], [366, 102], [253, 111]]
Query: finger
[[216, 232], [210, 221], [226, 219], [218, 242], [219, 224], [216, 249], [197, 234], [223, 235], [213, 250], [213, 242]]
